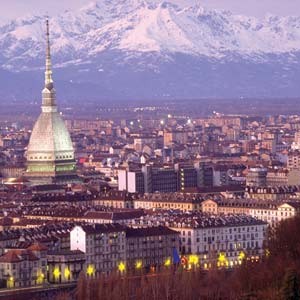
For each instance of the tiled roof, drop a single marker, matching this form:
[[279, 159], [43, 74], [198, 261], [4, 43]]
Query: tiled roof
[[50, 232], [10, 257], [149, 231], [14, 256], [102, 228], [114, 215], [65, 252], [178, 219], [273, 189], [37, 247]]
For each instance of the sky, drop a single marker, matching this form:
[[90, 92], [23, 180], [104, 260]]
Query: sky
[[258, 8]]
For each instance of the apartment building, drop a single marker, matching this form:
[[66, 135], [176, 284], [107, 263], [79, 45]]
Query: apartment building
[[220, 241], [104, 246], [271, 212], [150, 246], [64, 265], [208, 240], [180, 201], [114, 247], [24, 267]]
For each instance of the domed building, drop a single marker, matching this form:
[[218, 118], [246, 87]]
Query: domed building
[[50, 153]]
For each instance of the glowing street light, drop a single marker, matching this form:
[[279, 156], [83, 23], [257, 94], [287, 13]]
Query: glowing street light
[[56, 273], [222, 260], [138, 264], [10, 282], [168, 262], [121, 267], [193, 260], [40, 278], [90, 270], [242, 256], [67, 273]]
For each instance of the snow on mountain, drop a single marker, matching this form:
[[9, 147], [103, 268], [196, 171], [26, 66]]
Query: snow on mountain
[[147, 26], [115, 38]]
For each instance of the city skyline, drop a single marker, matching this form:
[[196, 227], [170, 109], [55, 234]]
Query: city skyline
[[168, 167]]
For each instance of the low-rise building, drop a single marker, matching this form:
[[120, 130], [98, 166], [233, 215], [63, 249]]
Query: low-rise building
[[24, 267]]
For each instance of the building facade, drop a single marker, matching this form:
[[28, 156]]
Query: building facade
[[267, 211], [104, 246], [223, 241], [150, 247]]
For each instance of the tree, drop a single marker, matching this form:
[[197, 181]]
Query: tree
[[81, 287], [290, 287]]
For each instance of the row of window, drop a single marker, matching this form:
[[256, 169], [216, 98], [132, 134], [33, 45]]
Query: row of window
[[224, 230], [222, 247], [50, 157]]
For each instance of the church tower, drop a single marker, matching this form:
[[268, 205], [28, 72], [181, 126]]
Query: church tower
[[50, 153]]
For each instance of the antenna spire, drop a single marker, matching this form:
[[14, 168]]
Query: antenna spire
[[48, 72]]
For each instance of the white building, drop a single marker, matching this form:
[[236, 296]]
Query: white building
[[104, 246], [221, 240], [109, 247], [209, 241], [122, 180]]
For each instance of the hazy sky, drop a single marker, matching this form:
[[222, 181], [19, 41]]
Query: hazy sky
[[16, 8]]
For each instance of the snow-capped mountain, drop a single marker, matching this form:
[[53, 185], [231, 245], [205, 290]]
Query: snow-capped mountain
[[150, 48]]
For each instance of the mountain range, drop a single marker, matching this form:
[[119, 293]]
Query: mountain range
[[148, 49]]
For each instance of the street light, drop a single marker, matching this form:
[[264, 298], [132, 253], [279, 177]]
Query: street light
[[138, 264], [121, 267], [168, 262], [90, 270]]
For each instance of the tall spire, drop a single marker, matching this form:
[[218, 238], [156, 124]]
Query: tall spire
[[48, 72], [48, 92]]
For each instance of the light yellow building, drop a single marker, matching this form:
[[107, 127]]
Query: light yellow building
[[271, 212], [24, 267], [180, 201]]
